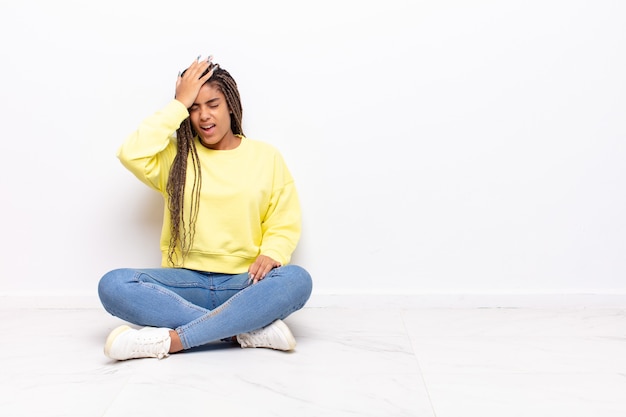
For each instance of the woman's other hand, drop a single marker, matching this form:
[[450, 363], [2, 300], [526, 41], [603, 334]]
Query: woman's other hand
[[261, 266]]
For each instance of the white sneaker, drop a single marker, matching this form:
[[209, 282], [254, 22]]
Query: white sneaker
[[126, 343], [274, 336]]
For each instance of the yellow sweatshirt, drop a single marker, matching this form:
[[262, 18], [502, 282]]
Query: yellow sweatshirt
[[248, 204]]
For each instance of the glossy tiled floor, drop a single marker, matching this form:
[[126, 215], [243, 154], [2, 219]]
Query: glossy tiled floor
[[349, 362]]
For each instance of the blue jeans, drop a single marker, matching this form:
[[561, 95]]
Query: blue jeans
[[203, 306]]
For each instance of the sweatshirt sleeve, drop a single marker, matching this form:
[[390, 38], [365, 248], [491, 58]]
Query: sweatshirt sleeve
[[282, 224], [149, 151]]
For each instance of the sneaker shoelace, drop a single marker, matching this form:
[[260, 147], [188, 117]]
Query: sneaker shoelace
[[152, 345]]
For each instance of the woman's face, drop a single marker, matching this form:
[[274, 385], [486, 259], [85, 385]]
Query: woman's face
[[210, 118]]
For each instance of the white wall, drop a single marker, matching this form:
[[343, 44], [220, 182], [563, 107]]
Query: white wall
[[438, 146]]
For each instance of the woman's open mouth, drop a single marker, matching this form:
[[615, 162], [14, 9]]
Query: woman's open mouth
[[207, 128]]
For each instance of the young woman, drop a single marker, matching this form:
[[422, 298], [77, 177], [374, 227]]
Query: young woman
[[231, 223]]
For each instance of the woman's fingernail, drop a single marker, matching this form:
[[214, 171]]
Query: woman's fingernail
[[198, 59]]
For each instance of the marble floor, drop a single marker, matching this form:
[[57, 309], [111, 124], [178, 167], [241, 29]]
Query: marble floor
[[429, 362]]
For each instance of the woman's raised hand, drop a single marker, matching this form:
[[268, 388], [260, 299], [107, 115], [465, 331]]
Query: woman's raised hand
[[188, 84]]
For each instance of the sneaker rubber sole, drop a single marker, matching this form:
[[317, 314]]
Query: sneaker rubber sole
[[291, 341], [112, 336]]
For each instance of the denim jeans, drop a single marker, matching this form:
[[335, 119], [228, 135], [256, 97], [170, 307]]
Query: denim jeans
[[203, 306]]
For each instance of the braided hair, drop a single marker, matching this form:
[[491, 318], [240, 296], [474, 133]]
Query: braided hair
[[182, 231]]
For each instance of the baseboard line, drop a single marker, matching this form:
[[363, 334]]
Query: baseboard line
[[362, 299]]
